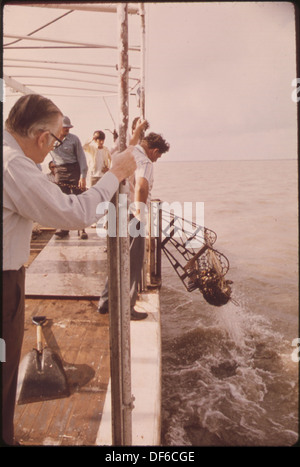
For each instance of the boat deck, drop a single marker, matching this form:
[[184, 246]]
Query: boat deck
[[80, 336]]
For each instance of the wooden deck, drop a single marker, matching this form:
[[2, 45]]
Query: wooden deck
[[80, 336], [75, 331]]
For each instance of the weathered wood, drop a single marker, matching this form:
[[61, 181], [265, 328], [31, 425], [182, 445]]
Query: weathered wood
[[81, 337], [69, 268]]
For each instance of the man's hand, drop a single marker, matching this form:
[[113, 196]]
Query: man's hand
[[142, 125], [82, 184], [123, 164]]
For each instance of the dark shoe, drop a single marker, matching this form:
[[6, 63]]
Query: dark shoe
[[136, 316], [83, 235], [61, 233], [103, 309]]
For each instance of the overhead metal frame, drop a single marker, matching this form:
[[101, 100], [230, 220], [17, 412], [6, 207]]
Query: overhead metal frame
[[16, 63]]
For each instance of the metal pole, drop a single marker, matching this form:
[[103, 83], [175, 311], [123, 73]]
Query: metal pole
[[12, 83], [142, 65], [119, 272], [123, 245], [143, 285], [83, 6], [113, 259], [56, 41]]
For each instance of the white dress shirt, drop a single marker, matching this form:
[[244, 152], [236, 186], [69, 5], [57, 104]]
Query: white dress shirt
[[144, 167], [29, 196]]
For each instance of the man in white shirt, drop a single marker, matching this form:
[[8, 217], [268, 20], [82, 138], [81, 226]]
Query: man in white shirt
[[146, 153], [31, 129], [100, 157]]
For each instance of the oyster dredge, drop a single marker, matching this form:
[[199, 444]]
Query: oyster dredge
[[86, 378]]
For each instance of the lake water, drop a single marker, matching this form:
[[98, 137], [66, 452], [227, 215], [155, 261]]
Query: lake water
[[230, 373]]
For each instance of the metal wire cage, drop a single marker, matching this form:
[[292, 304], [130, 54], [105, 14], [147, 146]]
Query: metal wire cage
[[189, 249]]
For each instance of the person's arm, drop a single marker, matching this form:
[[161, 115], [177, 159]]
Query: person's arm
[[141, 190], [38, 199], [88, 146], [140, 198], [141, 126], [106, 160], [81, 158]]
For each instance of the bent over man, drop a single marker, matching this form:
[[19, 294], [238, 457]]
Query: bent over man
[[32, 127], [150, 149]]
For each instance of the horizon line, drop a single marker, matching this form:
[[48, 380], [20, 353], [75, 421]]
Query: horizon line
[[228, 160]]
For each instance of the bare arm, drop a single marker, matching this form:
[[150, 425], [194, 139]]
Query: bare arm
[[140, 198], [141, 190], [141, 126]]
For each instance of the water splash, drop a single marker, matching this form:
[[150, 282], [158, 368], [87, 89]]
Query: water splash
[[223, 383]]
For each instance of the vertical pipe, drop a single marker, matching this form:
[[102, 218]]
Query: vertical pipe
[[143, 53], [119, 269], [122, 10], [143, 284], [158, 260], [113, 259]]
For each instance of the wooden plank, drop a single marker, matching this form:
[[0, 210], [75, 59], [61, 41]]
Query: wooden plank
[[68, 268], [81, 336], [146, 378]]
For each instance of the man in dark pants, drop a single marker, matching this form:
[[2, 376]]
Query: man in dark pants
[[146, 153], [13, 324], [31, 129], [71, 167]]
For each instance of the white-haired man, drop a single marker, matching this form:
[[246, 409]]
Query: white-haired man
[[31, 131]]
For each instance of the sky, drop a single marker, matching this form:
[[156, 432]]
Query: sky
[[218, 74]]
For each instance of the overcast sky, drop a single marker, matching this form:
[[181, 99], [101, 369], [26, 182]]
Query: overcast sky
[[219, 75]]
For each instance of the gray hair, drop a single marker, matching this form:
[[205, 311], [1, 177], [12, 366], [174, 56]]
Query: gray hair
[[32, 113]]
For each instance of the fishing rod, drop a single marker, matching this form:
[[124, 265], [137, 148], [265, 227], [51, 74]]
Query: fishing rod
[[108, 109]]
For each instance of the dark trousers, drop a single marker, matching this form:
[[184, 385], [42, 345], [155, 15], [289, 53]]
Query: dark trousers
[[13, 297], [67, 177], [136, 252]]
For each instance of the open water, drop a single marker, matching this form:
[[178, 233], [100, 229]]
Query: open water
[[230, 374]]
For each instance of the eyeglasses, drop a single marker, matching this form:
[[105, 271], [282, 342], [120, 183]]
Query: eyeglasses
[[59, 141]]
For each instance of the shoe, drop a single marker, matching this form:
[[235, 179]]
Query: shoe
[[83, 235], [137, 316], [103, 309], [61, 233]]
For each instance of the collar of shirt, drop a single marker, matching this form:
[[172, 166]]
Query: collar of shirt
[[140, 154], [9, 140]]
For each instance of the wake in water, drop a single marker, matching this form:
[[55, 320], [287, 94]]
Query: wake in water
[[230, 382]]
